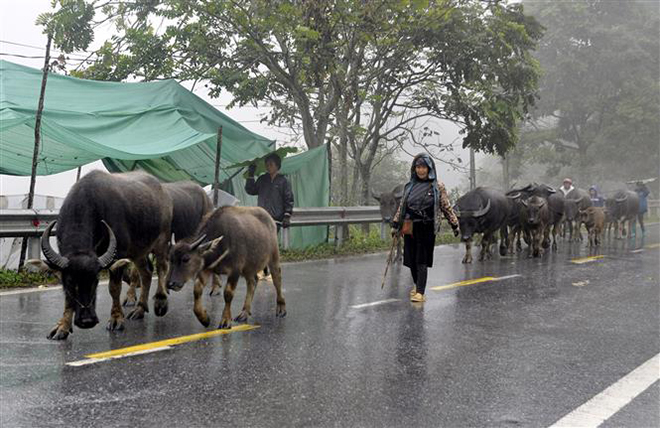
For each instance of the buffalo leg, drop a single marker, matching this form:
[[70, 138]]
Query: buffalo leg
[[217, 285], [116, 321], [162, 265], [134, 281], [468, 251], [249, 295], [485, 247], [554, 237], [504, 240], [63, 327], [198, 306], [142, 266], [277, 282], [225, 323]]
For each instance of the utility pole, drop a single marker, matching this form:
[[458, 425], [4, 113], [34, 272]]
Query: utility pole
[[473, 172], [37, 140], [506, 179]]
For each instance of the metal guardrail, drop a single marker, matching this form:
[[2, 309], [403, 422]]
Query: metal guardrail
[[32, 223]]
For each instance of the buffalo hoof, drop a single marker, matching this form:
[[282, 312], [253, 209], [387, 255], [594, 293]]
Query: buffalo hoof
[[537, 253], [280, 312], [225, 324], [59, 332], [215, 291], [503, 251], [204, 320], [554, 247], [136, 314], [160, 305], [519, 248], [129, 301], [242, 317], [115, 324], [545, 244], [467, 259]]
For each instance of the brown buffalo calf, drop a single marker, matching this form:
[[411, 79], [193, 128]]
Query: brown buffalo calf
[[594, 219]]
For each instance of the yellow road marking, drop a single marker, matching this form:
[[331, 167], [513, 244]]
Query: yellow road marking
[[653, 246], [586, 259], [170, 342], [462, 283]]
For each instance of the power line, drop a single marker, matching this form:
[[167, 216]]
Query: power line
[[41, 57]]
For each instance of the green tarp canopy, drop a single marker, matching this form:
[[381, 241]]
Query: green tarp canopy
[[159, 127]]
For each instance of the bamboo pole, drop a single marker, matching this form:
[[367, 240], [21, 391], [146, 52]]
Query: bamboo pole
[[216, 179]]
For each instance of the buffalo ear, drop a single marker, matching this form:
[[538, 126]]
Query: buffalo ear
[[375, 195], [210, 246]]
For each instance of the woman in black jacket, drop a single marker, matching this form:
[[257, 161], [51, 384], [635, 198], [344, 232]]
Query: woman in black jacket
[[424, 200]]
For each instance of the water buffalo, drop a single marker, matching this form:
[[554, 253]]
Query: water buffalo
[[594, 220], [482, 210], [190, 204], [237, 241], [116, 215], [556, 205], [624, 208], [575, 200], [535, 219], [389, 203]]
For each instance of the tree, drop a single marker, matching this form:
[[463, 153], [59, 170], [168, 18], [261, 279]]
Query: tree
[[600, 92], [364, 75]]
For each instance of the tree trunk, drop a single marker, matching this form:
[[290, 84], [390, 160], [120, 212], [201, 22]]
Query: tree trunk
[[506, 178], [37, 140]]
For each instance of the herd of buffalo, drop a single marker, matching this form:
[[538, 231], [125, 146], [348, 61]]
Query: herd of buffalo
[[536, 213], [116, 221]]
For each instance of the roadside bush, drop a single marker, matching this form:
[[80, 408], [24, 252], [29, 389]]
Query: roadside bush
[[11, 278]]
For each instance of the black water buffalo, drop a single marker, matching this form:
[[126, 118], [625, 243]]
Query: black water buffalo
[[190, 204], [116, 215], [482, 210], [535, 219], [624, 208], [575, 200], [556, 207], [237, 241], [389, 203]]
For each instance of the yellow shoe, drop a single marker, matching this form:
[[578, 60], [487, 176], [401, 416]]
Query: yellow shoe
[[413, 291], [418, 297]]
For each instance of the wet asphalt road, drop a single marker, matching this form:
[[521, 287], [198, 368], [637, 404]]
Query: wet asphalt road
[[523, 351]]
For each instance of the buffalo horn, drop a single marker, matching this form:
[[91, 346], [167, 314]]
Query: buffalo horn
[[198, 242], [514, 195], [622, 199], [483, 210], [524, 202], [106, 259], [53, 257]]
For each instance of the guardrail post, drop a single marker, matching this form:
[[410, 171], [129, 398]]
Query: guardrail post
[[339, 233], [34, 249], [285, 238], [383, 231]]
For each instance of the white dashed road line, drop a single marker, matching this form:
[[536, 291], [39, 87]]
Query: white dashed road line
[[380, 302], [601, 407]]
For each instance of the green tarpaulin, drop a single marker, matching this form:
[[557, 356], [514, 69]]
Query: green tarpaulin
[[159, 127]]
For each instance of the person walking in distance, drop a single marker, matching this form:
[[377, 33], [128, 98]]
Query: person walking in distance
[[418, 219]]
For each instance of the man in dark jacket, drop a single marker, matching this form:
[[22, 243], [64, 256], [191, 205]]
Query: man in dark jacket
[[273, 191]]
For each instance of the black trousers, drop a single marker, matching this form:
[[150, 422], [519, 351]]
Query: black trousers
[[418, 252]]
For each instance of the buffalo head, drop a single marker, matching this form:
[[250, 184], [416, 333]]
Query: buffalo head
[[80, 275], [534, 208], [187, 260], [389, 203], [468, 220]]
